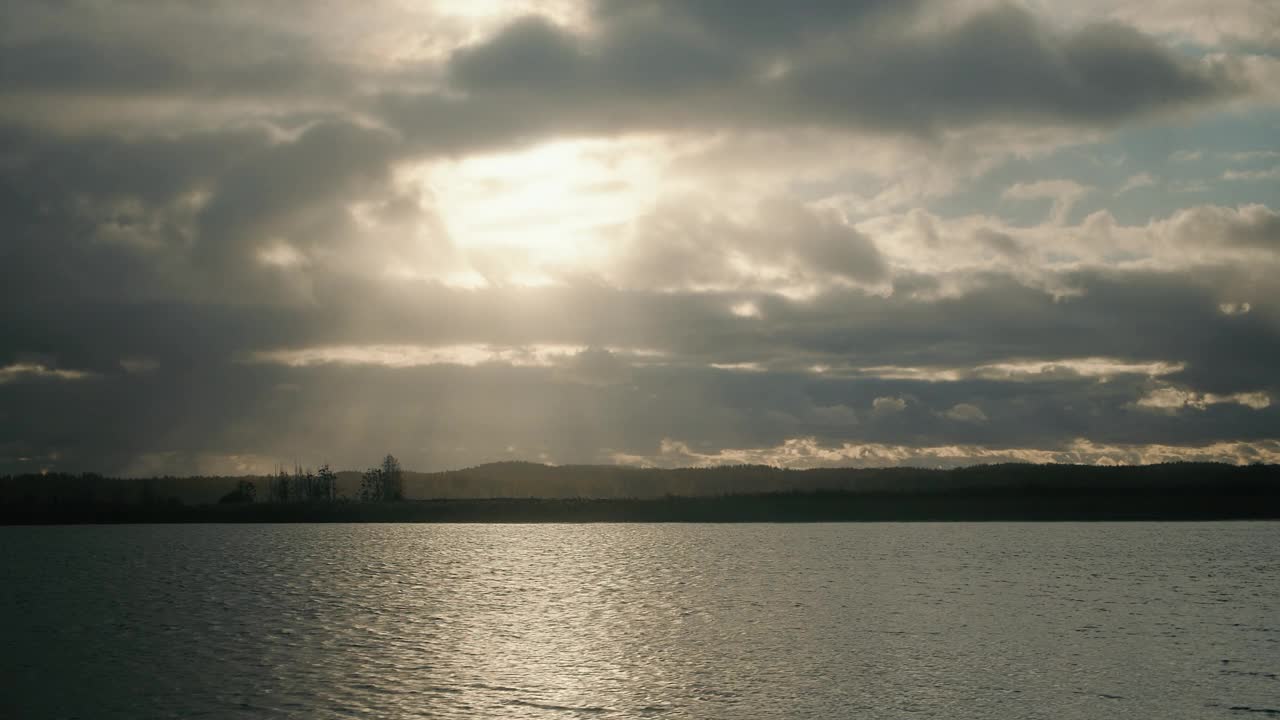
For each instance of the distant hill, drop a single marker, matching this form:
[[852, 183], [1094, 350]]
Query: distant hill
[[532, 480], [521, 480]]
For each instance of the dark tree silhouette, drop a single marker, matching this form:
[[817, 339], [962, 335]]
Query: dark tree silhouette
[[1179, 491], [147, 495], [303, 486], [392, 479], [371, 485], [278, 489], [383, 483], [326, 484], [244, 492]]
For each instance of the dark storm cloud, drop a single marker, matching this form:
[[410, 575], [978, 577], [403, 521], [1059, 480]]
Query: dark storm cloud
[[79, 64], [455, 415], [451, 416], [639, 66], [136, 48], [648, 67], [327, 165], [679, 248], [1002, 64], [183, 218], [756, 23], [155, 168]]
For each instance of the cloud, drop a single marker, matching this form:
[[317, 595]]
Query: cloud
[[1173, 398], [807, 452], [966, 412], [1250, 23], [1064, 194], [1251, 155], [405, 356], [644, 68], [1018, 370], [888, 405], [1248, 226], [1140, 180], [751, 229], [758, 24], [783, 245], [1253, 175], [18, 372], [137, 365], [601, 366]]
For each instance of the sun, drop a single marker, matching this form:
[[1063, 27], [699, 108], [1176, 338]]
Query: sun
[[554, 207]]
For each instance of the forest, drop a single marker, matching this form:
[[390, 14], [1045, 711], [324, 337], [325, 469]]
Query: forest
[[529, 492]]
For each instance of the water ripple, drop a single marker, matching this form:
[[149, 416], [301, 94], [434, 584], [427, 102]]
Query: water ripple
[[991, 620]]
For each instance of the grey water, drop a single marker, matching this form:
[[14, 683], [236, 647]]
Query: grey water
[[955, 620]]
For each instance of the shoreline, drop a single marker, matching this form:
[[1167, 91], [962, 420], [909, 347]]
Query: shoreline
[[784, 507]]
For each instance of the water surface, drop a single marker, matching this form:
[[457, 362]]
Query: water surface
[[955, 620]]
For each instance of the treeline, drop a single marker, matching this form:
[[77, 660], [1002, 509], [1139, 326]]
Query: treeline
[[388, 482], [300, 486], [384, 483]]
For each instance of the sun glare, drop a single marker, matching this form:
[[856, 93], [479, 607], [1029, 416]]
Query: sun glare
[[559, 206], [565, 12]]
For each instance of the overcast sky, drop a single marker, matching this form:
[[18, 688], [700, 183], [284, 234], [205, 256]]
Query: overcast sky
[[245, 233]]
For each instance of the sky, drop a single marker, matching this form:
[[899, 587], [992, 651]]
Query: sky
[[239, 234]]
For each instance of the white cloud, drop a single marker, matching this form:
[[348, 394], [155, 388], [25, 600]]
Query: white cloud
[[1064, 194], [888, 405], [1173, 398], [1251, 175], [1140, 180], [1100, 368], [806, 452], [405, 356], [966, 412], [1251, 155], [23, 371], [752, 367]]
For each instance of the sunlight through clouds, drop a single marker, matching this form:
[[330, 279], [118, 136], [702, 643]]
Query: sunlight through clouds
[[407, 356], [856, 232], [562, 206]]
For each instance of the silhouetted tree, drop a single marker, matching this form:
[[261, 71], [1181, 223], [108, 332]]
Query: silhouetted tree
[[148, 492], [244, 492], [327, 483], [383, 483], [371, 485], [278, 490], [392, 479], [302, 482]]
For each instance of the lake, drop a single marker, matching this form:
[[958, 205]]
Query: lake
[[877, 620]]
